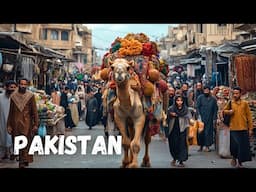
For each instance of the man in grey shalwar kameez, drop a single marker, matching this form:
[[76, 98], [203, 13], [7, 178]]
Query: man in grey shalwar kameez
[[207, 108], [5, 137]]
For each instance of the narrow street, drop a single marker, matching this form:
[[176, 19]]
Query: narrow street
[[159, 154]]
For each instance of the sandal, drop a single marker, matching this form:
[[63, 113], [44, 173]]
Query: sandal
[[239, 165], [173, 163], [200, 149], [207, 149], [233, 162], [181, 164]]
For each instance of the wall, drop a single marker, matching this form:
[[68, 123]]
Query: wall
[[6, 27]]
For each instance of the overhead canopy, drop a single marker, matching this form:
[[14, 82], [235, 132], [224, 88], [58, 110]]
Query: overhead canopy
[[9, 41], [225, 50], [52, 53], [246, 27], [249, 46], [191, 61], [193, 54]]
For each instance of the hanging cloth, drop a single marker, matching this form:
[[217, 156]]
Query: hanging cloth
[[1, 59]]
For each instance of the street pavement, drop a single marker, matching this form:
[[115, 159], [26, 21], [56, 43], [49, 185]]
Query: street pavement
[[159, 155]]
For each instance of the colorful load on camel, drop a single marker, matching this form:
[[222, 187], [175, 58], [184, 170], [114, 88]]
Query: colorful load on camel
[[144, 53], [149, 72]]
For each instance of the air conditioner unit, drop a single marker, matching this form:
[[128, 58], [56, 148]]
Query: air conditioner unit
[[79, 44]]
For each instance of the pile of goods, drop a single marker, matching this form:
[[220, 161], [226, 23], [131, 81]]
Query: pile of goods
[[48, 112], [137, 47], [150, 71], [224, 92], [250, 97], [224, 95]]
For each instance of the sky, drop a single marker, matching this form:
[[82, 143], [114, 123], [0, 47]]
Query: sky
[[104, 34]]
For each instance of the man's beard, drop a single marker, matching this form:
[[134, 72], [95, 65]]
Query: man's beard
[[22, 89], [206, 94], [9, 92]]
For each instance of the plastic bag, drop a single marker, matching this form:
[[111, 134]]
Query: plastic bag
[[200, 124], [224, 142], [226, 118], [42, 130]]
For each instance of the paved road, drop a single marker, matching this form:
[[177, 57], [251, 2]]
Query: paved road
[[159, 154]]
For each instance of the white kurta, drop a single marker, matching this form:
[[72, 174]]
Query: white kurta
[[5, 138]]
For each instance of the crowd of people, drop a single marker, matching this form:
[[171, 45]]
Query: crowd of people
[[82, 101], [19, 114], [202, 103]]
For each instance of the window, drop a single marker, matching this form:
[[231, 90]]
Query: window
[[44, 34], [85, 58], [64, 35], [54, 35], [222, 29]]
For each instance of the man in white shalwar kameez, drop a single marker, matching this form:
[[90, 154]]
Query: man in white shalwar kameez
[[5, 137]]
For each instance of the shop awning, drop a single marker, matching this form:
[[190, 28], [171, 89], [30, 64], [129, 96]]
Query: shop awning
[[8, 40]]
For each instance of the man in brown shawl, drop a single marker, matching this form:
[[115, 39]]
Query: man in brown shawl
[[23, 119]]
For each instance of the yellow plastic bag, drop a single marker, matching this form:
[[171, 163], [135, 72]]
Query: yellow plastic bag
[[200, 126], [192, 135]]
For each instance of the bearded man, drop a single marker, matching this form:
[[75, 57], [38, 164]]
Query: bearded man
[[23, 118]]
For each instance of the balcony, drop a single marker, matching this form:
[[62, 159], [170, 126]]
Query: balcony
[[67, 27]]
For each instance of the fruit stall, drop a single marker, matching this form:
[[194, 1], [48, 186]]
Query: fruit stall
[[50, 114]]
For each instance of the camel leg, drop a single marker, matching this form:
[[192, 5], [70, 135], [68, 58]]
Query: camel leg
[[135, 143], [147, 140], [131, 133], [125, 161], [125, 140]]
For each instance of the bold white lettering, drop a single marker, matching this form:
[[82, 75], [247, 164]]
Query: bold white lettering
[[84, 139], [49, 144], [61, 144], [116, 144], [36, 145], [70, 140], [20, 142], [99, 145]]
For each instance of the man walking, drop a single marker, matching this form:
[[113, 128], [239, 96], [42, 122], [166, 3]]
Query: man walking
[[5, 138], [23, 118], [240, 129], [207, 108]]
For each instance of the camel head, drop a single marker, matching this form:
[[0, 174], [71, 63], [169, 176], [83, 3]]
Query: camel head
[[120, 68]]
